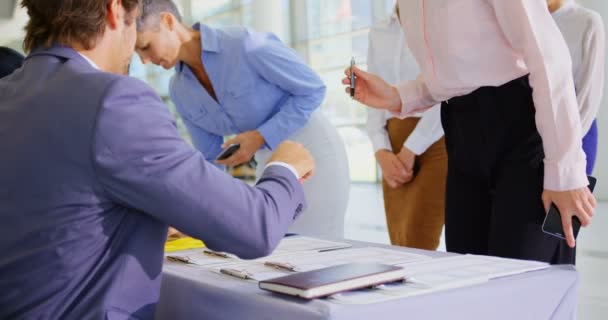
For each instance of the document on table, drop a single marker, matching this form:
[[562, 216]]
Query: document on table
[[441, 274], [444, 270], [295, 254], [262, 269], [288, 246]]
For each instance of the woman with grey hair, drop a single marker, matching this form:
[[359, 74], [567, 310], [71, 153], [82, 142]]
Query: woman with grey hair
[[238, 81]]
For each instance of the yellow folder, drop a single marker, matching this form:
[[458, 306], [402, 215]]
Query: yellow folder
[[183, 244]]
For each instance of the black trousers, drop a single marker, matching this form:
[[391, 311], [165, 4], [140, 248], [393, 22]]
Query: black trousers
[[495, 176]]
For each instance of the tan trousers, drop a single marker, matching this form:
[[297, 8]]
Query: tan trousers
[[415, 212]]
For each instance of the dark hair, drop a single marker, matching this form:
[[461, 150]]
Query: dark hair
[[68, 21], [151, 11], [10, 60]]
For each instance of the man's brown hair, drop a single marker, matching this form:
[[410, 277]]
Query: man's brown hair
[[68, 21]]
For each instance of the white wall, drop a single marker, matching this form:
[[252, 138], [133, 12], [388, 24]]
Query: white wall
[[270, 16], [7, 8], [11, 30], [601, 165]]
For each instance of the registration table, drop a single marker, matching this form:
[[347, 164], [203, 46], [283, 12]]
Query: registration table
[[544, 294]]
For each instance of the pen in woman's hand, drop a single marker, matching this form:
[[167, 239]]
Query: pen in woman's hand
[[352, 78]]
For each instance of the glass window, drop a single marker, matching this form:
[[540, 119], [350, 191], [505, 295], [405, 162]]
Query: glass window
[[327, 33], [337, 30], [203, 9], [219, 13]]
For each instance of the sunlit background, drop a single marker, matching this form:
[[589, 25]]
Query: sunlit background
[[326, 34]]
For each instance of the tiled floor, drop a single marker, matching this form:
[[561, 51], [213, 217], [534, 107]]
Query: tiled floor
[[365, 221]]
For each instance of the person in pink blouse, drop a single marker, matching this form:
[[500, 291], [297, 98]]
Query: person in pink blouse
[[502, 72]]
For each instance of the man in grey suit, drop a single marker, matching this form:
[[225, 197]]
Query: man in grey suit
[[93, 171]]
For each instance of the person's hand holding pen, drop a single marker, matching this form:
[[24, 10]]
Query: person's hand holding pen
[[371, 90]]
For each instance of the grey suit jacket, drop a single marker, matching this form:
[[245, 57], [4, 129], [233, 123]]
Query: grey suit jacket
[[92, 172]]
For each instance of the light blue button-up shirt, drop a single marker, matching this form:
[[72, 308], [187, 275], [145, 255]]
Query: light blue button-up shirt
[[260, 83]]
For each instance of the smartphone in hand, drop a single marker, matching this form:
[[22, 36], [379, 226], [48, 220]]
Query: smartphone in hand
[[228, 152], [553, 221]]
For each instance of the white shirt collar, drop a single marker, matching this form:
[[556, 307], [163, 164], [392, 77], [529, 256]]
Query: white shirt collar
[[89, 61]]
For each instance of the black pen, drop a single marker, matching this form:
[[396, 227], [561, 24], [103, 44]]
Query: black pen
[[352, 77]]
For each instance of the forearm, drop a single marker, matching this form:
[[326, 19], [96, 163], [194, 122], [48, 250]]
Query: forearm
[[427, 131], [530, 30], [415, 97], [145, 166], [294, 113], [376, 129]]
